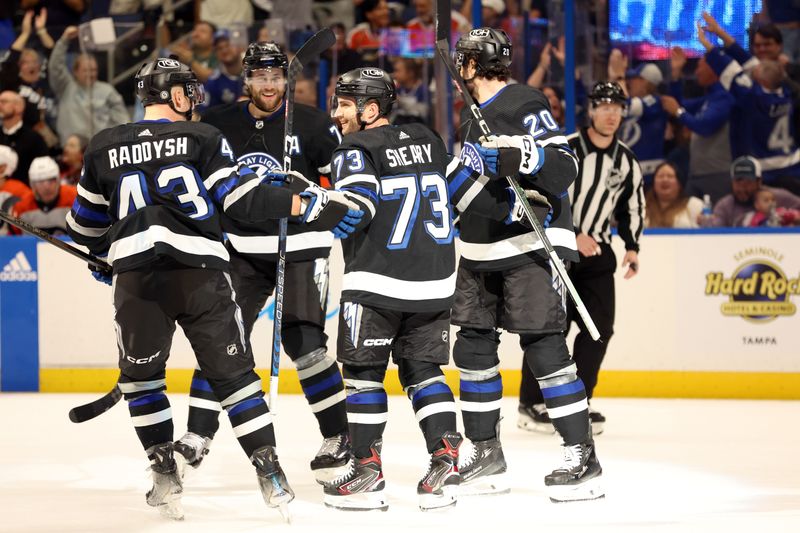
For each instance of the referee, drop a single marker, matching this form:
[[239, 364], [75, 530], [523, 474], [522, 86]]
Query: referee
[[608, 188]]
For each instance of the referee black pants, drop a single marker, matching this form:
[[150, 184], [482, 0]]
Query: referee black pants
[[593, 278]]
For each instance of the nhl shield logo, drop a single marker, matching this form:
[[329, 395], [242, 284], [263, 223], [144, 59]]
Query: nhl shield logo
[[614, 178], [233, 349], [471, 158]]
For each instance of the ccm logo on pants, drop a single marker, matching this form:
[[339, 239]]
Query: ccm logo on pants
[[378, 342]]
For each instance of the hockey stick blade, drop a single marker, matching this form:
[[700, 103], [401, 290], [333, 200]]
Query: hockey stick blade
[[85, 412], [313, 48], [443, 47], [58, 243]]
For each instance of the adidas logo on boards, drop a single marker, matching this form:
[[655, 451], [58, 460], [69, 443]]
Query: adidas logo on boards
[[145, 133], [18, 269], [404, 135]]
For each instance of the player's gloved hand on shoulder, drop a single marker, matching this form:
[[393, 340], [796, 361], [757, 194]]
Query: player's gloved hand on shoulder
[[325, 210], [509, 155], [296, 182], [101, 275], [348, 224], [540, 206]]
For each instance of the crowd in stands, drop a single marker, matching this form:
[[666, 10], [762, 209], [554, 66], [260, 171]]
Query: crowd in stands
[[716, 136]]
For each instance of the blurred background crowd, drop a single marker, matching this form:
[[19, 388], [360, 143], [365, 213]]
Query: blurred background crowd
[[713, 87]]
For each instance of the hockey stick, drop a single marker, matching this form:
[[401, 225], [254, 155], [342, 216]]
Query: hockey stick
[[85, 412], [443, 47], [93, 260], [318, 43]]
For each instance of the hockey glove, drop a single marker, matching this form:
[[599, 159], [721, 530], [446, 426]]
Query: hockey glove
[[515, 154], [101, 275], [328, 209], [348, 224], [296, 182], [541, 207]]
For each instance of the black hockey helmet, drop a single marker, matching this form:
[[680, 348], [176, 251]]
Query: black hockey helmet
[[490, 47], [607, 92], [264, 54], [155, 79], [365, 84]]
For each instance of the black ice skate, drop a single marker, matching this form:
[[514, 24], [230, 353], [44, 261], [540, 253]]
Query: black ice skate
[[483, 471], [578, 478], [332, 458], [272, 481], [535, 418], [361, 487], [190, 450], [438, 488], [597, 420], [167, 486]]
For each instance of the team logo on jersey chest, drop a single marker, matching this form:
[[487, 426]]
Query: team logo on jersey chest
[[260, 162], [471, 158]]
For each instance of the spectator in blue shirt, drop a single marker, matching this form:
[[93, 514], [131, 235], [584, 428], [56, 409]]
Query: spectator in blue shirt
[[708, 119], [225, 83]]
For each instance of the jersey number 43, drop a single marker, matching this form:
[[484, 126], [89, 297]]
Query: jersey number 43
[[178, 181]]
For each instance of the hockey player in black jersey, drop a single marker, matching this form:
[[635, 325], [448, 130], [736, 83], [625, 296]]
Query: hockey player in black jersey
[[255, 130], [505, 280], [150, 198], [398, 283]]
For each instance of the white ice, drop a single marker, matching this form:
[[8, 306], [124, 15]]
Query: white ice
[[669, 465]]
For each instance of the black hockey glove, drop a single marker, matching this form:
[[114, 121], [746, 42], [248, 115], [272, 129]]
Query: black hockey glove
[[541, 207], [329, 211]]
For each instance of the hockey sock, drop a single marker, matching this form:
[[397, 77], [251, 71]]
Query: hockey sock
[[150, 410], [248, 412], [481, 387], [367, 406], [204, 408], [322, 384], [565, 398], [435, 409]]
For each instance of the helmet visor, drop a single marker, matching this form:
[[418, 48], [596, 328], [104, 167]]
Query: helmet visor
[[266, 77]]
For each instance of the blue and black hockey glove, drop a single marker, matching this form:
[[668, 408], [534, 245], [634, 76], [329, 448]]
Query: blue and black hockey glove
[[101, 275], [348, 224], [510, 155]]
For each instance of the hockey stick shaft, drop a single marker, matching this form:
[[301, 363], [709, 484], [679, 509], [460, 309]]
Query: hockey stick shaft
[[58, 243], [443, 47], [318, 43]]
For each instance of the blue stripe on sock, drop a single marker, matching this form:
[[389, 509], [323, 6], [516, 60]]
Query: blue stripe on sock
[[367, 397], [435, 388], [244, 406], [201, 384], [481, 386], [144, 400], [563, 390], [327, 383]]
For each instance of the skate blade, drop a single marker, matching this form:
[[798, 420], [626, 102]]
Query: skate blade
[[589, 490], [488, 485], [365, 501], [283, 508], [172, 509], [327, 475], [439, 502], [535, 427]]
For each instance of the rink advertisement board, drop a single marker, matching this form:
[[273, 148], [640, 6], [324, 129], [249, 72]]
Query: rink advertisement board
[[710, 314]]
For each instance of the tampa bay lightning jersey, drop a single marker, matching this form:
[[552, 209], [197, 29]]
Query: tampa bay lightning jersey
[[763, 126], [489, 245], [156, 190], [258, 143], [401, 256], [643, 132]]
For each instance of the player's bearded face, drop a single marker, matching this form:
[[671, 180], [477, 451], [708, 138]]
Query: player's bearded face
[[267, 87], [345, 115]]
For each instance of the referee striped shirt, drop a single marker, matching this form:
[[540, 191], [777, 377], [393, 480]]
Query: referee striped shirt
[[608, 188]]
